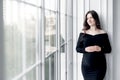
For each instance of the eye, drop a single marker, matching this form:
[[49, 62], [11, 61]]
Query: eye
[[89, 17]]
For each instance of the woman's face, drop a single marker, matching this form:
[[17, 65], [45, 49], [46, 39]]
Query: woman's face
[[90, 20]]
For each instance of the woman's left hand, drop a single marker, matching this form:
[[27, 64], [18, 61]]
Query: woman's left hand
[[97, 48]]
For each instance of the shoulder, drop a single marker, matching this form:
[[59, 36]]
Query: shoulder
[[102, 31], [82, 31]]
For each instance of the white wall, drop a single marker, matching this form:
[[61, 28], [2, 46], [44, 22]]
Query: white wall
[[116, 49], [105, 11]]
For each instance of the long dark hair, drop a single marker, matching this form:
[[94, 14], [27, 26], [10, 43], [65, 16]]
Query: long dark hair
[[96, 18]]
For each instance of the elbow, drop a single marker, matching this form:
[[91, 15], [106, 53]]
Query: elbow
[[77, 49], [108, 50]]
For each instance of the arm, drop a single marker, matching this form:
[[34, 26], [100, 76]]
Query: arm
[[80, 46], [106, 48]]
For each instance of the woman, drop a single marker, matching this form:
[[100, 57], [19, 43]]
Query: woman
[[93, 42]]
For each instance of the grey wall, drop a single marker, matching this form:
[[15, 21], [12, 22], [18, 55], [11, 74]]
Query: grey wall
[[1, 41], [116, 40]]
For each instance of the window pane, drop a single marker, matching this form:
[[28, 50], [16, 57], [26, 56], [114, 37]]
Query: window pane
[[12, 39], [49, 67], [20, 25], [62, 27], [69, 27], [30, 19], [63, 62], [51, 4], [31, 75], [35, 2], [63, 6], [50, 32]]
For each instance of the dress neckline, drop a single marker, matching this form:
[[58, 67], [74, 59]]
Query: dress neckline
[[94, 34]]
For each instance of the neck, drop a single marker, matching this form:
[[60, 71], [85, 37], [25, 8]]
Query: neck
[[93, 28]]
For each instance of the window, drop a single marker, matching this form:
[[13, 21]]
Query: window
[[20, 33], [37, 39]]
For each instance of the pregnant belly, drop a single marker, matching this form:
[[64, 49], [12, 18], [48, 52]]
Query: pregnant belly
[[93, 59]]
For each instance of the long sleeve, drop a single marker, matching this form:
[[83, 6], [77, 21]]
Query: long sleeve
[[106, 48], [80, 46]]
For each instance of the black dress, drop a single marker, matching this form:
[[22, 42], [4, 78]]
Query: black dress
[[93, 63]]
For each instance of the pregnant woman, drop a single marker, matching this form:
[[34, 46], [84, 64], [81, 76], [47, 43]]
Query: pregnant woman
[[93, 42]]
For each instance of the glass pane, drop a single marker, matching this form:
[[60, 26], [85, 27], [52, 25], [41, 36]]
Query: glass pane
[[50, 32], [69, 28], [20, 25], [38, 34], [12, 38], [63, 63], [63, 6], [30, 19], [52, 71], [49, 67], [31, 75], [62, 27], [51, 4], [35, 2]]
